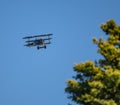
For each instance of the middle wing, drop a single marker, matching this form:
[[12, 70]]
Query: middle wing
[[29, 44]]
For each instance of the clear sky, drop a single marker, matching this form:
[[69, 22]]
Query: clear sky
[[38, 77]]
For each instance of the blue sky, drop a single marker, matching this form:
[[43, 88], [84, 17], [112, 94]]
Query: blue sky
[[37, 77]]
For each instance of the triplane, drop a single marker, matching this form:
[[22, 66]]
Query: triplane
[[38, 40]]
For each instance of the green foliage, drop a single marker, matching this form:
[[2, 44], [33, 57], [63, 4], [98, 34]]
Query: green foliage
[[98, 83]]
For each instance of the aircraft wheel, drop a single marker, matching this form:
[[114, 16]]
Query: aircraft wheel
[[45, 47], [38, 47]]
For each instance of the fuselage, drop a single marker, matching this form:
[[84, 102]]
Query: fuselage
[[39, 41]]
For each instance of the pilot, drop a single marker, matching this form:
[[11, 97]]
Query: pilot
[[42, 42]]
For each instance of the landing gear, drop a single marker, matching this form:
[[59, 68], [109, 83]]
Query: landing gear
[[45, 46], [38, 47]]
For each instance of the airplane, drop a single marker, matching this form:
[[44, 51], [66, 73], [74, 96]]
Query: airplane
[[38, 40]]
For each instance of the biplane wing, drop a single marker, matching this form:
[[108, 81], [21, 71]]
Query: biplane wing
[[47, 38], [28, 37], [34, 40], [30, 44], [47, 43], [29, 41], [43, 35]]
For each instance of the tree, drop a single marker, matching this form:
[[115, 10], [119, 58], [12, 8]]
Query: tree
[[98, 82]]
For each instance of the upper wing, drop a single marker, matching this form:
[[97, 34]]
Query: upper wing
[[43, 35], [27, 37]]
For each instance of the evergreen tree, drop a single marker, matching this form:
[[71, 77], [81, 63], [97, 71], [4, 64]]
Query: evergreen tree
[[98, 82]]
